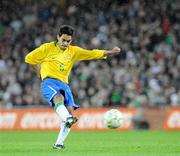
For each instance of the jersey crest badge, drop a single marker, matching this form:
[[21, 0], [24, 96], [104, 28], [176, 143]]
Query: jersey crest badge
[[69, 57]]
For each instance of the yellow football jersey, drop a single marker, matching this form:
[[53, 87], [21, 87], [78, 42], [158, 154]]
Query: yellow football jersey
[[56, 63]]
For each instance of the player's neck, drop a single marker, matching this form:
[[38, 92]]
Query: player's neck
[[59, 47]]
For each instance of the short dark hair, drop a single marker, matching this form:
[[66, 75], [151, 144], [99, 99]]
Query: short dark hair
[[66, 29]]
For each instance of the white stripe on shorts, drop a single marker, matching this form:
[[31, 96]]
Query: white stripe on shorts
[[53, 91]]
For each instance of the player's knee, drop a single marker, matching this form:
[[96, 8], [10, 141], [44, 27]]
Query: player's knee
[[58, 98]]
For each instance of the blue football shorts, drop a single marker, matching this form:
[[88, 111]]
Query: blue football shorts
[[51, 87]]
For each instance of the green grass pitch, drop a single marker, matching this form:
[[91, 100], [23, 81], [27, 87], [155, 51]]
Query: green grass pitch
[[109, 143]]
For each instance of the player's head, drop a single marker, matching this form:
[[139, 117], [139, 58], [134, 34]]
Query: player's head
[[65, 36]]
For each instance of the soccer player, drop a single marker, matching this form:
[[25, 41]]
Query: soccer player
[[53, 62]]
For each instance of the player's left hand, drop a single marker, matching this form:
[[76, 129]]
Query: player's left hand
[[115, 50]]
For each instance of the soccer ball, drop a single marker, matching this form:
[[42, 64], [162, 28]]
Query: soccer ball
[[112, 118]]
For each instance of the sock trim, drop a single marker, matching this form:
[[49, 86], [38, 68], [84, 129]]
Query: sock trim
[[58, 104]]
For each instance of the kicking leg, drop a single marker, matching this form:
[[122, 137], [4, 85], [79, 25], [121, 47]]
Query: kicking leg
[[59, 107], [64, 131], [67, 120], [71, 120]]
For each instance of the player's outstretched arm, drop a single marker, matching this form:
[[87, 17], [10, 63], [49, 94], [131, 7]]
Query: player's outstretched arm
[[112, 52]]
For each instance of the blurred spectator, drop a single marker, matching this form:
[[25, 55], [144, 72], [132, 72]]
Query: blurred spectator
[[147, 72]]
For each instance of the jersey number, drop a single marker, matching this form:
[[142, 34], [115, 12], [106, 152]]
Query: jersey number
[[61, 67]]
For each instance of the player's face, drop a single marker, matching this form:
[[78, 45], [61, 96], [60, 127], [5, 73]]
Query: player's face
[[64, 41]]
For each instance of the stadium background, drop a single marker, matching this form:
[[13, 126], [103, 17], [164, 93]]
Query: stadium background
[[143, 81], [144, 77]]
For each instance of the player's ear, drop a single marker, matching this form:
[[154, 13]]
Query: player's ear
[[58, 37]]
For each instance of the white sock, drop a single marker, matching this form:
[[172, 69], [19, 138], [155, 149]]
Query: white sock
[[64, 131], [62, 134], [63, 112]]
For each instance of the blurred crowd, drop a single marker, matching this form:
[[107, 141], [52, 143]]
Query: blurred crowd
[[146, 73]]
